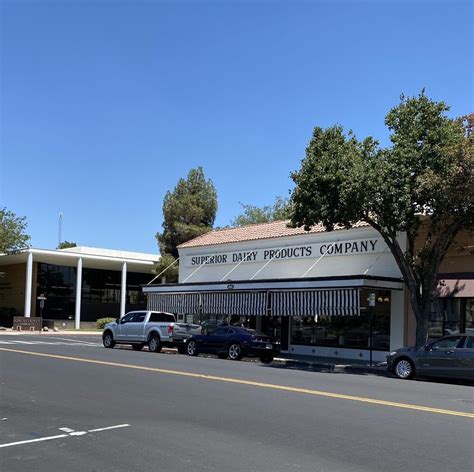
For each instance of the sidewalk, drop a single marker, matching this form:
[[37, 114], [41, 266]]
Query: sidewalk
[[330, 364]]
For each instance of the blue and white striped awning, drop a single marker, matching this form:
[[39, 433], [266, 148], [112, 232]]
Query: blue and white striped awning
[[315, 302]]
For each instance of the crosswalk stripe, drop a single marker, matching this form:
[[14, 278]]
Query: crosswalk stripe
[[53, 343]]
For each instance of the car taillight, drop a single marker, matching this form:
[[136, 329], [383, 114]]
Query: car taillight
[[170, 328]]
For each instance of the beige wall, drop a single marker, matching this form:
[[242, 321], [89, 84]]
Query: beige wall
[[12, 287], [459, 259]]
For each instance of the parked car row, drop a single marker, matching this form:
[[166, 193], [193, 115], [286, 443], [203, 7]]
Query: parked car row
[[158, 329], [448, 357]]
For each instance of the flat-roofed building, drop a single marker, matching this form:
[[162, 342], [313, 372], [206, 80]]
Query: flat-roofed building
[[80, 284]]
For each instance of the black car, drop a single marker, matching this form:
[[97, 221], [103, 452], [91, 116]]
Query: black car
[[233, 342], [448, 357]]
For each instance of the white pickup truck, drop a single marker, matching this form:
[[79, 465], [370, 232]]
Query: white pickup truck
[[153, 328]]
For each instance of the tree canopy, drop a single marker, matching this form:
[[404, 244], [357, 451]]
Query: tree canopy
[[12, 231], [279, 210], [66, 245], [425, 175], [188, 211]]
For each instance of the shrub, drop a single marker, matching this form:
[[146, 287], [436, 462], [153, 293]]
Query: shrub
[[101, 322]]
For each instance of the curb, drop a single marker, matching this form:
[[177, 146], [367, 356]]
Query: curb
[[336, 368]]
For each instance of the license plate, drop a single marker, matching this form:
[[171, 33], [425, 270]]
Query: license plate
[[268, 346]]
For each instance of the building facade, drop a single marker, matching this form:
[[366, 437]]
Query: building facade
[[311, 290], [332, 294], [79, 284]]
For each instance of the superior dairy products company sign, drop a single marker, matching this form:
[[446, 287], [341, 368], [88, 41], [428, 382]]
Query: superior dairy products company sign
[[335, 248]]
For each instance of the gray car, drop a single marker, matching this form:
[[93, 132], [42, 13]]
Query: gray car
[[448, 357]]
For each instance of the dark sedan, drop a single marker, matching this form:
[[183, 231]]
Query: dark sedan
[[448, 357], [234, 343]]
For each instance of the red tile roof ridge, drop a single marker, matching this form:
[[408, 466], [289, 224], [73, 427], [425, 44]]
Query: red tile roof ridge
[[270, 230]]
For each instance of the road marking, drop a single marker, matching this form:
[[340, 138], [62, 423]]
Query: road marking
[[252, 383], [70, 432], [107, 428], [34, 440], [52, 343], [78, 341]]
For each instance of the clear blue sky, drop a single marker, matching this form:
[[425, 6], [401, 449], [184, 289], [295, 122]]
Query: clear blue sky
[[106, 104]]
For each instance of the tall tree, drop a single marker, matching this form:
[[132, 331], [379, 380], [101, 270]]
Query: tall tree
[[280, 210], [188, 211], [425, 176], [12, 231]]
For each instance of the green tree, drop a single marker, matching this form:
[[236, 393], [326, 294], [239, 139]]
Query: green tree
[[66, 245], [425, 176], [188, 211], [280, 210], [12, 231]]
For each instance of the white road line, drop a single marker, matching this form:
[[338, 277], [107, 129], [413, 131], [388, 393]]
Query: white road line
[[70, 432], [34, 440], [75, 341], [108, 427], [46, 343]]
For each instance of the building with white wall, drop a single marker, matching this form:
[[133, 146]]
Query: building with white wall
[[309, 289], [80, 284]]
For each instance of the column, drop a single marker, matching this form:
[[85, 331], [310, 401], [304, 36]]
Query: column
[[77, 317], [123, 290], [397, 319], [29, 283]]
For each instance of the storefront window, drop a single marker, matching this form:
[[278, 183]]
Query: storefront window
[[469, 319], [100, 295], [347, 331], [445, 317], [451, 316]]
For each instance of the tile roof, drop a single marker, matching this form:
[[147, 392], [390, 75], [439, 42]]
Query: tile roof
[[275, 229]]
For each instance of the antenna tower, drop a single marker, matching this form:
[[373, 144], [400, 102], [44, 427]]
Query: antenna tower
[[60, 228]]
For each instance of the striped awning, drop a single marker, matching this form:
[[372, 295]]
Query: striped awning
[[235, 303], [315, 302], [177, 303], [283, 303]]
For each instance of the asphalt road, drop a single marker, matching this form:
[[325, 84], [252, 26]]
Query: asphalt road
[[88, 409]]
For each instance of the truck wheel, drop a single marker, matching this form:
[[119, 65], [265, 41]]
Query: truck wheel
[[154, 344], [138, 347], [108, 340], [235, 352], [191, 348], [266, 359]]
